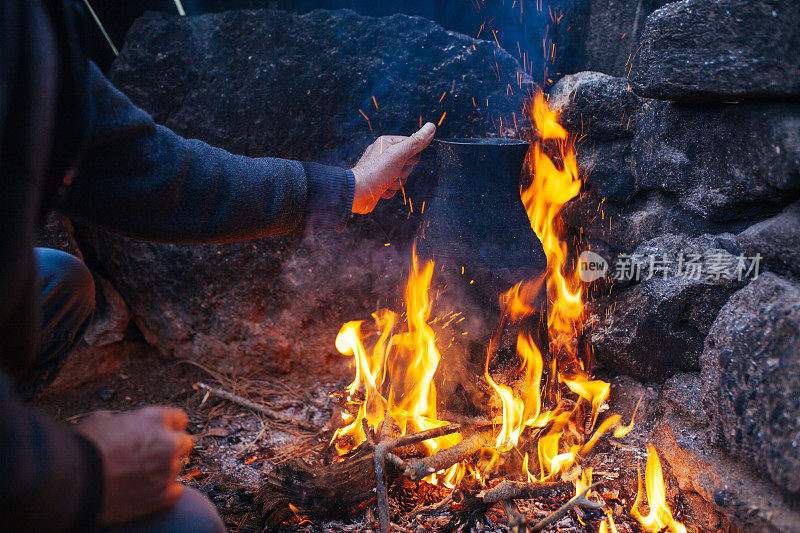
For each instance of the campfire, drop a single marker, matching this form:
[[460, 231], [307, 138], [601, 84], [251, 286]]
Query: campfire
[[541, 412]]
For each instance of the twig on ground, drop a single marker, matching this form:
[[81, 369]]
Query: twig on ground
[[579, 500], [422, 509], [249, 404]]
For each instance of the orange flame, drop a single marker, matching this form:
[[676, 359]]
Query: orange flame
[[396, 373], [660, 515], [551, 188]]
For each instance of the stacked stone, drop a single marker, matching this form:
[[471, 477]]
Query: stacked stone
[[697, 153]]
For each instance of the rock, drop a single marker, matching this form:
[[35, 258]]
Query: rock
[[751, 376], [235, 80], [111, 315], [719, 50], [731, 487], [596, 105], [656, 327], [777, 239], [649, 214], [722, 162], [58, 233], [683, 394], [606, 167], [90, 364], [600, 35]]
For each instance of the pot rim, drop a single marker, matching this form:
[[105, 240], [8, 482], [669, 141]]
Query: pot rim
[[483, 141]]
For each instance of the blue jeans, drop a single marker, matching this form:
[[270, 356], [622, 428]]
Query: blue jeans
[[66, 306]]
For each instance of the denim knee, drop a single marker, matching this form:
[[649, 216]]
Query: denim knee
[[192, 513], [66, 300]]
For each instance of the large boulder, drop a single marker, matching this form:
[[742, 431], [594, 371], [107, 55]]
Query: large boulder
[[601, 111], [625, 225], [723, 162], [777, 240], [656, 327], [751, 377], [720, 50], [274, 83], [607, 168]]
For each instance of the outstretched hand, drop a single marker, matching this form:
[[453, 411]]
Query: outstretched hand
[[385, 166]]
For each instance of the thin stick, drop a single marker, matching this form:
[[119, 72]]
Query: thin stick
[[580, 499], [179, 7], [381, 491], [430, 508], [244, 402], [102, 28], [432, 433]]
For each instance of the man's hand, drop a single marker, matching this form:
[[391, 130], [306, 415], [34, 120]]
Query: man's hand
[[141, 453], [385, 166]]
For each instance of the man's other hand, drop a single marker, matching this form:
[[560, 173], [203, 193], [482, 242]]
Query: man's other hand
[[385, 166], [141, 453]]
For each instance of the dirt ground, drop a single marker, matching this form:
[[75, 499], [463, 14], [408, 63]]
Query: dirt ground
[[235, 448]]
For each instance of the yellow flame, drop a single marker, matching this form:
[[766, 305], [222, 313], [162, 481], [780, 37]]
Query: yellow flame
[[624, 430], [551, 187], [396, 374], [660, 515]]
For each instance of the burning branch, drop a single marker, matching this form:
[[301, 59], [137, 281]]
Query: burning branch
[[513, 490], [416, 469]]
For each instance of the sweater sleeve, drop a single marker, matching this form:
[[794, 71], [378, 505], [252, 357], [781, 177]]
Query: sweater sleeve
[[141, 179], [51, 479]]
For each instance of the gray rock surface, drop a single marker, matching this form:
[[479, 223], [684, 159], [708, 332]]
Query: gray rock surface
[[751, 377], [732, 487], [649, 214], [273, 83], [601, 111], [722, 162], [601, 35], [596, 105], [607, 167], [777, 239], [111, 315], [657, 326], [720, 50]]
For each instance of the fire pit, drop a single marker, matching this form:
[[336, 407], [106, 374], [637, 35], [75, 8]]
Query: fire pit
[[532, 413]]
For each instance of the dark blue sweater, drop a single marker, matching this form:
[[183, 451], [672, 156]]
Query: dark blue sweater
[[70, 141]]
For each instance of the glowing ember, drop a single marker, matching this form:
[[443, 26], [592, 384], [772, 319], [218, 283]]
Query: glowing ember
[[660, 516]]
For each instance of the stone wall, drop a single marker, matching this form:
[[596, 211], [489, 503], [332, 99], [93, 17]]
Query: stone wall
[[697, 155]]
